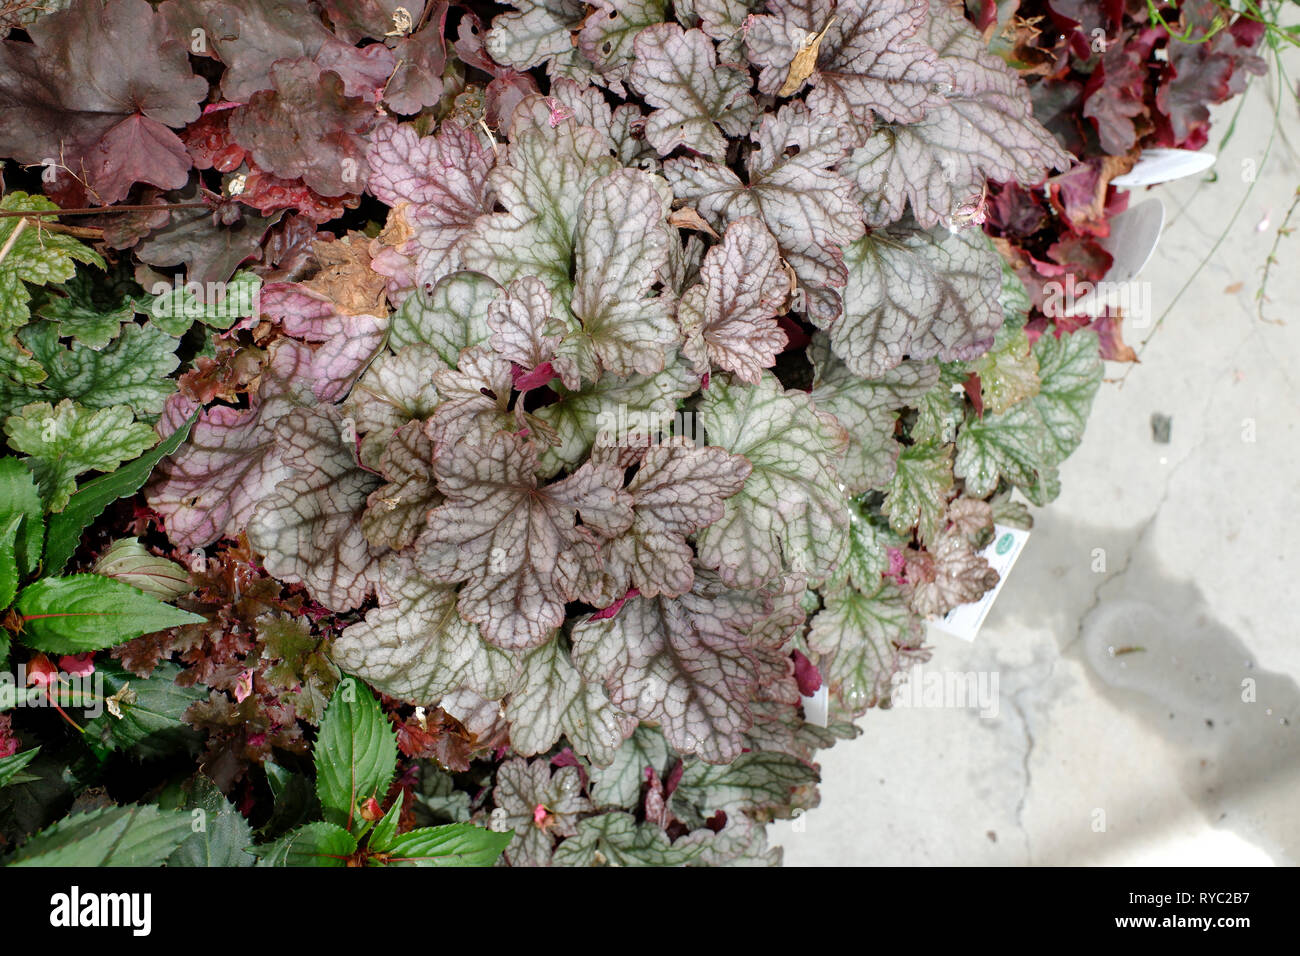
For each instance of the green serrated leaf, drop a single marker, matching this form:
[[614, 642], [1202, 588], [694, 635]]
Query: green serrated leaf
[[11, 766], [456, 844], [315, 844], [94, 496], [86, 612], [67, 440], [135, 370], [356, 753], [385, 831], [19, 496], [219, 834], [152, 713], [8, 561], [116, 836], [1027, 442]]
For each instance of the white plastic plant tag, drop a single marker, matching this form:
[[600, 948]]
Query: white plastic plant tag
[[816, 709], [1163, 165], [964, 621], [1134, 234]]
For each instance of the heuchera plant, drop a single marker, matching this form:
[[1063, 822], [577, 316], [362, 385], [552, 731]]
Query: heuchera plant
[[655, 371]]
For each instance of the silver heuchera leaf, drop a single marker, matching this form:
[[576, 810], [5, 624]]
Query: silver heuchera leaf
[[619, 783], [956, 575], [342, 342], [623, 124], [541, 187], [608, 33], [551, 698], [677, 490], [539, 806], [684, 663], [395, 390], [415, 647], [396, 511], [677, 72], [450, 316], [808, 207], [539, 32], [438, 185], [867, 410], [915, 294], [724, 21], [476, 402], [869, 60], [309, 530], [617, 839], [622, 410], [863, 638], [791, 514], [516, 546], [730, 318], [232, 459], [983, 129], [526, 333], [621, 251]]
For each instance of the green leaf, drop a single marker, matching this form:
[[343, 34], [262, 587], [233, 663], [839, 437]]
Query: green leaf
[[134, 370], [222, 832], [356, 752], [66, 440], [616, 839], [1026, 443], [456, 844], [18, 495], [860, 637], [450, 317], [116, 836], [8, 562], [619, 784], [316, 844], [80, 313], [176, 309], [94, 496], [153, 710], [128, 561], [11, 765], [39, 257], [86, 612], [918, 492], [385, 831]]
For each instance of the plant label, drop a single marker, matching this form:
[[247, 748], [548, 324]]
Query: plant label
[[964, 621], [1163, 165], [816, 709]]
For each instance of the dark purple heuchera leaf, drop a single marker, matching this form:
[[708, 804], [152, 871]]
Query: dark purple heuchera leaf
[[248, 36], [684, 663], [421, 58], [794, 191], [1202, 73], [438, 186], [210, 252], [1115, 96], [83, 95], [982, 127], [307, 128], [869, 60], [516, 546]]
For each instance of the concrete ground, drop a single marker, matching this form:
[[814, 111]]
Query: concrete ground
[[1184, 747]]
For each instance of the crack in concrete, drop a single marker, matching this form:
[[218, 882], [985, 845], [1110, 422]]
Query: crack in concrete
[[1027, 772]]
